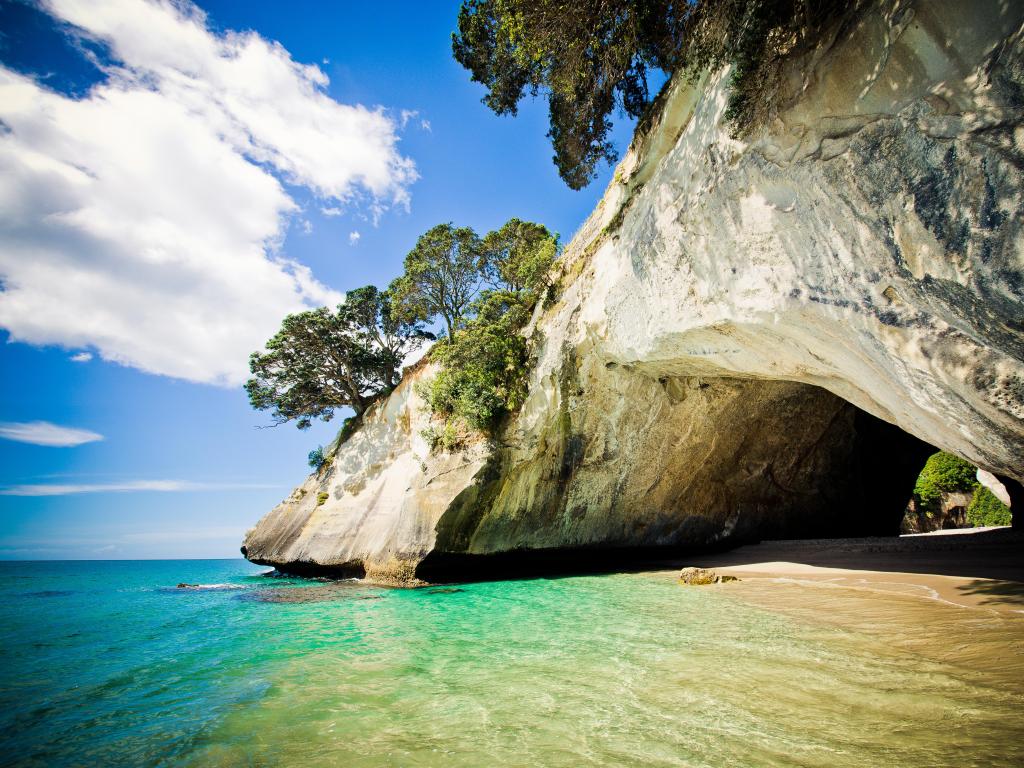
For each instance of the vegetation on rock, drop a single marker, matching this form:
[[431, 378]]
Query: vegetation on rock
[[322, 360], [943, 473], [484, 364], [985, 509], [483, 369], [481, 289], [316, 457], [591, 58]]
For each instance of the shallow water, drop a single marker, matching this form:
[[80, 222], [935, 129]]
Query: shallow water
[[110, 664]]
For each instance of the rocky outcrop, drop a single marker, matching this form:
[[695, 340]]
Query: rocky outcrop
[[744, 332], [699, 577], [951, 514]]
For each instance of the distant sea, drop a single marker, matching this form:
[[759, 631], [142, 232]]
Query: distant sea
[[110, 664]]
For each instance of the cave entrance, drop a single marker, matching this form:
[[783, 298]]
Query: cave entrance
[[727, 462], [951, 493]]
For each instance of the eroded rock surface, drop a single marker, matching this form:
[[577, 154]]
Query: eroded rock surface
[[719, 313]]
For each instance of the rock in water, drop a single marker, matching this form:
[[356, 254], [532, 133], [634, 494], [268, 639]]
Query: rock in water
[[700, 576], [739, 331]]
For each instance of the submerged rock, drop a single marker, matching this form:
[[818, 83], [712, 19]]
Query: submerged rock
[[700, 576], [740, 333]]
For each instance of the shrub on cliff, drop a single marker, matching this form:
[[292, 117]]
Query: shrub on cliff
[[591, 58], [943, 473], [316, 458], [484, 359], [986, 509], [483, 369]]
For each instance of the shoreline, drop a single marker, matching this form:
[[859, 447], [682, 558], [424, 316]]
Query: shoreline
[[966, 568]]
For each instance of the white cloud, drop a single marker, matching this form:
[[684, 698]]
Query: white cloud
[[145, 219], [353, 238], [307, 227], [331, 211], [160, 486], [406, 115], [81, 357], [45, 433], [425, 125]]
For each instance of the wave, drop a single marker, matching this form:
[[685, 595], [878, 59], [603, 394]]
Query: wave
[[186, 587]]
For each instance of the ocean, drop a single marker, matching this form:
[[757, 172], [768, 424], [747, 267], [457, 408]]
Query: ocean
[[111, 664]]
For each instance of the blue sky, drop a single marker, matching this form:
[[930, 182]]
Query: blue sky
[[171, 183]]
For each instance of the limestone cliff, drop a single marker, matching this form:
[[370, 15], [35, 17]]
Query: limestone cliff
[[739, 325]]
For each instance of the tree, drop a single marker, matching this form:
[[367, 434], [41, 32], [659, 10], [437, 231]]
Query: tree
[[443, 275], [373, 317], [590, 58], [316, 458], [313, 365], [518, 256]]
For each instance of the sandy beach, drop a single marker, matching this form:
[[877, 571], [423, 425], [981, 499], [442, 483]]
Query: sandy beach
[[968, 568]]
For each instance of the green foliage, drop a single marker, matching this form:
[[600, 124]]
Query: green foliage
[[444, 273], [316, 458], [591, 58], [379, 323], [447, 438], [484, 364], [348, 428], [322, 497], [518, 256], [483, 368], [986, 509], [943, 473], [322, 360]]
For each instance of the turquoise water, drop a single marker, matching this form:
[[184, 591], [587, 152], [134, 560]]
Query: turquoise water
[[109, 664]]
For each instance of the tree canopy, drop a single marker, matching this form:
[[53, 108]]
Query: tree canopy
[[519, 255], [322, 360], [482, 289], [483, 366], [443, 275], [590, 58]]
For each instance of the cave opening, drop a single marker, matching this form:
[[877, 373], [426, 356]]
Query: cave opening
[[851, 477]]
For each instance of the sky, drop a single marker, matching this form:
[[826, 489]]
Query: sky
[[175, 179]]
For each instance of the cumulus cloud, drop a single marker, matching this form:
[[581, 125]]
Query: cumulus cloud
[[160, 486], [353, 238], [81, 357], [45, 433], [145, 220]]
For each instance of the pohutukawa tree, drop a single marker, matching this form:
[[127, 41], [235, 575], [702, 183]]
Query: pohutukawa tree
[[444, 273], [322, 360], [518, 256], [590, 58], [377, 321]]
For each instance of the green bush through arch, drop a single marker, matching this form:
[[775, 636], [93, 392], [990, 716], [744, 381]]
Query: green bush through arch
[[946, 473]]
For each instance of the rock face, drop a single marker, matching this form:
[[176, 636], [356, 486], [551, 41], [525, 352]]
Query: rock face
[[738, 327], [952, 513]]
